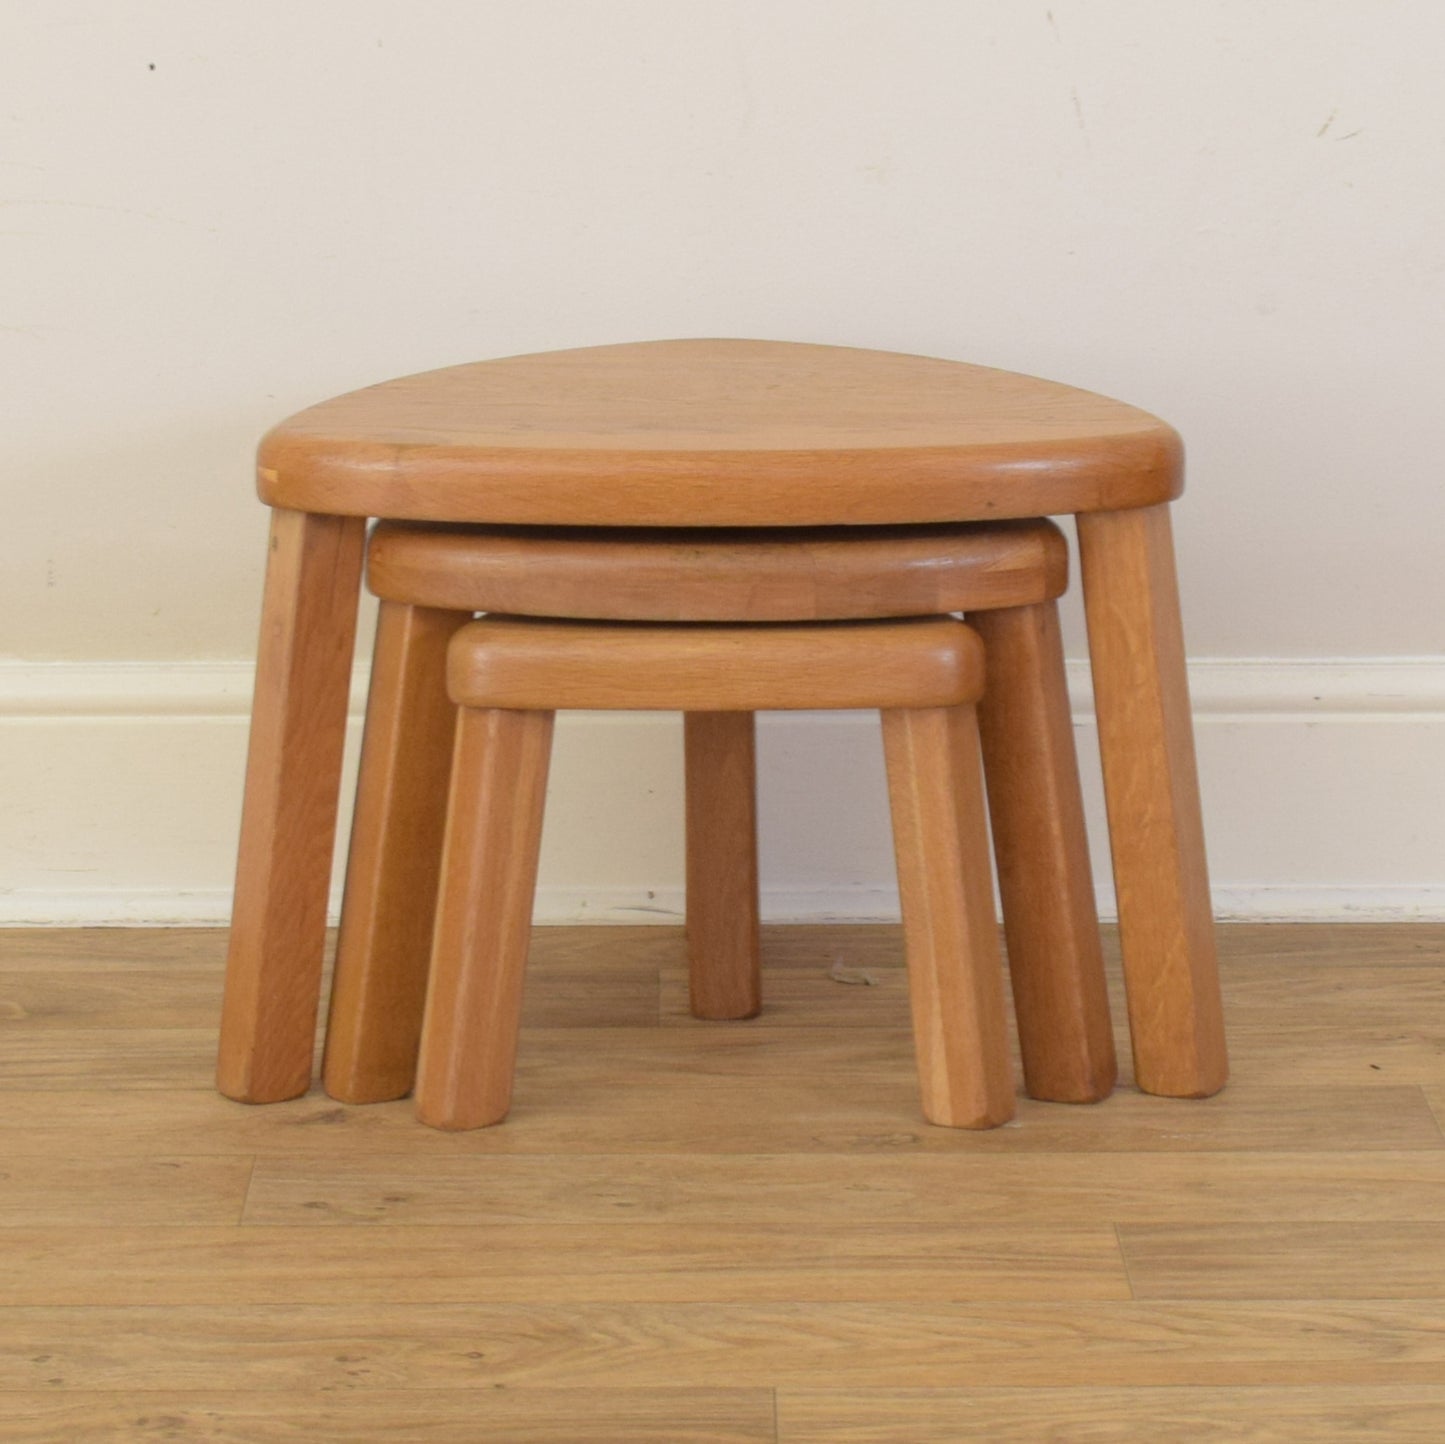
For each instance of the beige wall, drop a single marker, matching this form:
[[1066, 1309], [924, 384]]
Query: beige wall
[[214, 212]]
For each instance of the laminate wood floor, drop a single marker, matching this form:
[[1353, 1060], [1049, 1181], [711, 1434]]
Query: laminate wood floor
[[718, 1232]]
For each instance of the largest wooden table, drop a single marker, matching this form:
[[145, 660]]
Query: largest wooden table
[[718, 434]]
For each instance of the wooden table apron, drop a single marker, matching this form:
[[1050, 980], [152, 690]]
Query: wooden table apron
[[293, 774]]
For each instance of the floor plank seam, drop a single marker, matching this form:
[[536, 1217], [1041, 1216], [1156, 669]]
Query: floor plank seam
[[1124, 1262], [246, 1191]]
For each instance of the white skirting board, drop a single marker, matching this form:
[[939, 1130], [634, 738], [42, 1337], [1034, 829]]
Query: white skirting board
[[1324, 790]]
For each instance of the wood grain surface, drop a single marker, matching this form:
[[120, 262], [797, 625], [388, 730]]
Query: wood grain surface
[[488, 873], [718, 433], [720, 803], [288, 814], [1151, 786], [523, 662], [583, 1416], [955, 982], [786, 574], [394, 862], [1041, 852], [723, 1232]]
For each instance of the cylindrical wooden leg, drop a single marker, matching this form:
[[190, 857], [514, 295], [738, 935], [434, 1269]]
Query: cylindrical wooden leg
[[722, 865], [955, 984], [484, 917], [379, 985], [288, 817], [1146, 738], [1056, 963]]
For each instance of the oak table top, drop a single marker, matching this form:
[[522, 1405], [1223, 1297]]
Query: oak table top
[[718, 433]]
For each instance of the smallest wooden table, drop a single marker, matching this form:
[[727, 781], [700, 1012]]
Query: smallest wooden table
[[742, 434]]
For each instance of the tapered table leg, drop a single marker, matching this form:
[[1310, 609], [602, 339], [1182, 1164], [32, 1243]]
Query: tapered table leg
[[288, 818], [722, 865], [955, 977], [379, 985], [1151, 784], [484, 917], [1056, 961]]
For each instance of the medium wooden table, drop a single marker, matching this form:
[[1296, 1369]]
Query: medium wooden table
[[749, 434]]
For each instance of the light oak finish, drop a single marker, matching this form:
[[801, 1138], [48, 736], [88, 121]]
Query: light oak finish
[[724, 951], [352, 1416], [805, 1085], [357, 1287], [379, 986], [955, 986], [525, 1263], [288, 818], [1367, 1415], [841, 1346], [1146, 739], [526, 664], [479, 1347], [718, 433], [169, 997], [144, 1060], [1334, 1259], [57, 951], [483, 917], [104, 997], [165, 1192], [1282, 1415], [1241, 1188], [1056, 965], [786, 574]]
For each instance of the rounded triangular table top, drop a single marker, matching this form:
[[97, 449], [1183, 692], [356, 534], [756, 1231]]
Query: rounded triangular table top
[[718, 433]]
